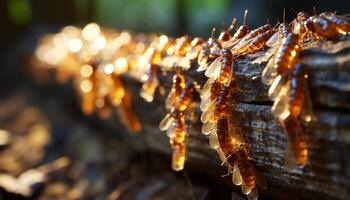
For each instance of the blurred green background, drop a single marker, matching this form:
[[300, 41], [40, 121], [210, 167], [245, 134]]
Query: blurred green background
[[175, 17]]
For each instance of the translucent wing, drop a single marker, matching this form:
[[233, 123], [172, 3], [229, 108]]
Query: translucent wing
[[213, 140], [269, 72], [205, 103], [170, 132], [208, 127], [267, 55], [206, 88], [236, 176], [212, 70], [273, 41], [208, 115], [253, 194], [280, 108], [295, 27], [235, 133], [242, 46], [276, 87], [170, 100], [147, 90], [166, 122], [230, 44], [245, 189], [221, 155]]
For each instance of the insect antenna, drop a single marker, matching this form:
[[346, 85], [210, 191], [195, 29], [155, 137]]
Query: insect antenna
[[233, 24], [212, 32], [245, 16]]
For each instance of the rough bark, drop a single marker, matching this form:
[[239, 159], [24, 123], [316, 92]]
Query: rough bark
[[328, 138]]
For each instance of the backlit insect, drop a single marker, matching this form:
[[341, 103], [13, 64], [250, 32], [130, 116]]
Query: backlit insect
[[342, 24], [246, 42], [225, 34], [293, 98], [178, 85], [179, 103], [178, 58], [297, 148], [251, 179], [321, 27], [196, 46], [222, 68], [273, 43], [175, 124], [215, 99], [284, 59], [326, 25], [210, 51], [235, 153], [259, 41], [242, 31], [152, 60], [298, 24]]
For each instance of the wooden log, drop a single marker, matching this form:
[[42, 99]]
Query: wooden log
[[326, 176]]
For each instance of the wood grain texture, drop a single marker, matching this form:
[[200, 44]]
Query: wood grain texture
[[327, 173]]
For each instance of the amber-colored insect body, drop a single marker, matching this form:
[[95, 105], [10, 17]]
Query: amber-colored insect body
[[149, 87], [299, 26], [293, 96], [221, 102], [174, 124], [153, 59], [297, 147], [196, 46], [250, 177], [178, 86], [287, 53], [206, 55], [214, 107], [321, 27], [342, 24], [177, 56], [269, 72], [297, 90], [179, 102], [236, 155], [242, 31], [222, 68], [243, 45], [226, 35], [273, 42], [226, 142], [177, 137], [259, 41]]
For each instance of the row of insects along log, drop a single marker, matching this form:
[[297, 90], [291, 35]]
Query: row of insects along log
[[96, 60]]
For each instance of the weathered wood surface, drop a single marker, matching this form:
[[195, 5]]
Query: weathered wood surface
[[327, 173]]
